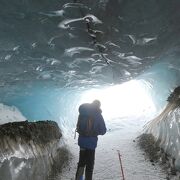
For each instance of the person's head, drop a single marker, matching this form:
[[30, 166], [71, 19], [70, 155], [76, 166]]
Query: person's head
[[96, 103]]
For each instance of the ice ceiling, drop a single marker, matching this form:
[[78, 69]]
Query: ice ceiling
[[92, 43]]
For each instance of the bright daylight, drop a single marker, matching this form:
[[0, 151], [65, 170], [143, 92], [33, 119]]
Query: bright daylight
[[127, 100]]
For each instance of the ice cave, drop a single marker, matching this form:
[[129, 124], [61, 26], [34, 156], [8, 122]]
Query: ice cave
[[56, 55]]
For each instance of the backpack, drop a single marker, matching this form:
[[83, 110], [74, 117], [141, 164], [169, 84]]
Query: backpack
[[85, 124]]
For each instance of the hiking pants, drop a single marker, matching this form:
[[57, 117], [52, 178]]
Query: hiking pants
[[86, 160]]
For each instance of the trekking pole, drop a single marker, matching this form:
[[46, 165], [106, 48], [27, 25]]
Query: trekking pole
[[75, 134], [121, 164]]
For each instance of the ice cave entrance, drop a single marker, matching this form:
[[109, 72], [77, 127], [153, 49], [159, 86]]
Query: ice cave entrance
[[130, 99]]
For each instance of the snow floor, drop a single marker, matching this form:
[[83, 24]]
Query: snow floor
[[120, 136]]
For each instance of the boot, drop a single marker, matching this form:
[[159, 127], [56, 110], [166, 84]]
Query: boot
[[79, 173]]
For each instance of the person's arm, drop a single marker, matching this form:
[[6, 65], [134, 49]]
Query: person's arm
[[102, 126]]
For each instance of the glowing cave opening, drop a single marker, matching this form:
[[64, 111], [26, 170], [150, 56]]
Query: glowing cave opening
[[125, 100]]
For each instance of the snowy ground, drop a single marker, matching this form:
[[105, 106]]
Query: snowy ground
[[119, 137]]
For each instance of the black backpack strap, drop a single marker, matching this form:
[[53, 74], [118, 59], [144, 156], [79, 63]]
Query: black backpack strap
[[77, 125]]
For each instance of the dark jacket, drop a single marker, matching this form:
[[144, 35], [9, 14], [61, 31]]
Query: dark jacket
[[90, 142]]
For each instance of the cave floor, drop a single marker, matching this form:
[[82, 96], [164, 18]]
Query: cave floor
[[121, 136]]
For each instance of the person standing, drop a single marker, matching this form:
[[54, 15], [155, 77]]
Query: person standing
[[90, 124]]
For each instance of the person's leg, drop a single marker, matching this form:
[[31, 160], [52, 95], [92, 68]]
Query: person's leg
[[81, 163], [90, 157]]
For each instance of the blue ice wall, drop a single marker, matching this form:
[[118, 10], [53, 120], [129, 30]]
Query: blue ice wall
[[40, 102], [45, 101], [162, 78]]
